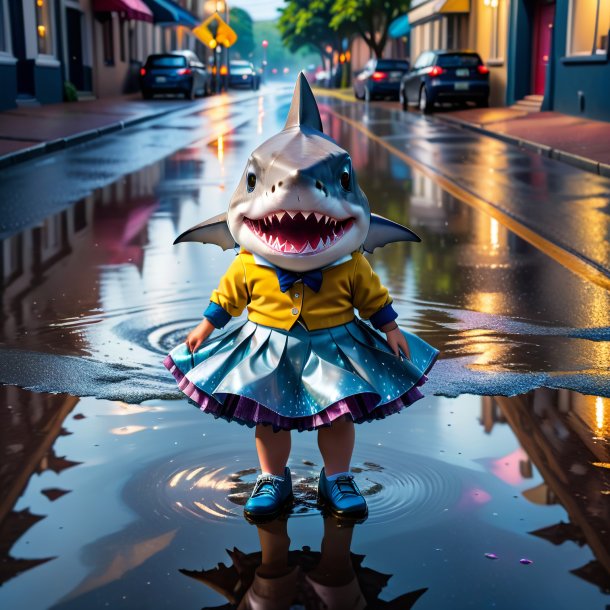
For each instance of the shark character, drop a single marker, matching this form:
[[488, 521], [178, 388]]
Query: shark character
[[302, 359], [298, 204]]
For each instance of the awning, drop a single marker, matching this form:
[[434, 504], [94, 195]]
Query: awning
[[131, 9], [399, 27], [167, 12], [426, 10], [453, 6]]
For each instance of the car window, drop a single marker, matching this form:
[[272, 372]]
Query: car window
[[458, 60], [392, 64], [166, 61], [419, 62]]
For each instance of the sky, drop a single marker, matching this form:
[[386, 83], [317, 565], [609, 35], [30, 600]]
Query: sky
[[259, 10]]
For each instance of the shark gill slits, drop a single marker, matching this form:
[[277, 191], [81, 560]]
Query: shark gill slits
[[251, 181]]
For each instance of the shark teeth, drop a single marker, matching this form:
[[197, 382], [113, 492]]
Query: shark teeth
[[298, 232]]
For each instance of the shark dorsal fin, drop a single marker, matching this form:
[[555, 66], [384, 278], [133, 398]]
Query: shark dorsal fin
[[303, 108]]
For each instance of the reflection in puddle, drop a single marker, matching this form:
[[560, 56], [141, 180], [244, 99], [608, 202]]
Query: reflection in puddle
[[277, 578], [448, 483]]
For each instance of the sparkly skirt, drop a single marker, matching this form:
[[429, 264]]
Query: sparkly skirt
[[300, 379]]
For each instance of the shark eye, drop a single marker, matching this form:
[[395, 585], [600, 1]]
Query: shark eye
[[251, 181], [345, 178]]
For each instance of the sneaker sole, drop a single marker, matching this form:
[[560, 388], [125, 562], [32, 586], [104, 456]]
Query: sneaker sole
[[284, 508]]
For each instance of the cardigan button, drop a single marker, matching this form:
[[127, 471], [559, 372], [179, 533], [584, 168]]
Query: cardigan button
[[295, 311]]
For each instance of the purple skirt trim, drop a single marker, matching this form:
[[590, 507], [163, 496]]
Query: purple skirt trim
[[361, 407]]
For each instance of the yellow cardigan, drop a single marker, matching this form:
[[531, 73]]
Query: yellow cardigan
[[344, 286]]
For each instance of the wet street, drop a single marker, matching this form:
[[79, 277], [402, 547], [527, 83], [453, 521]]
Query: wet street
[[491, 492]]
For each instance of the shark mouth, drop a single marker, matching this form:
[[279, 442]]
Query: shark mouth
[[298, 232]]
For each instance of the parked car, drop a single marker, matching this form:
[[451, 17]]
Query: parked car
[[445, 76], [243, 74], [177, 72], [379, 78]]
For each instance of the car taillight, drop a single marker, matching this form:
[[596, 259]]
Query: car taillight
[[184, 71], [482, 69], [379, 75], [142, 71], [436, 71]]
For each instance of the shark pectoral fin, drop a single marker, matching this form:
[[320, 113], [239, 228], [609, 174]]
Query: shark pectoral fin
[[212, 231], [383, 231]]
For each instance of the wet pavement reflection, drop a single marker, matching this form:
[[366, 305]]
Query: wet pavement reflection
[[133, 505], [127, 498]]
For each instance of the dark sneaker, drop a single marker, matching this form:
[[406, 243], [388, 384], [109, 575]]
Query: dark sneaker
[[270, 497], [342, 497]]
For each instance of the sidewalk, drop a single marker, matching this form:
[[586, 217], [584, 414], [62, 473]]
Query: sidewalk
[[34, 131], [574, 140]]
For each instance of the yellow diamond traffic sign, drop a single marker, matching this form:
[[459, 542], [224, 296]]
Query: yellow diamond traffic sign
[[225, 34]]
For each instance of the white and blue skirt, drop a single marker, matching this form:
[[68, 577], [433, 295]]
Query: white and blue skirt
[[298, 379]]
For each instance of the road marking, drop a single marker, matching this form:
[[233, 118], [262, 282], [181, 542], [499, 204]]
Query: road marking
[[569, 260]]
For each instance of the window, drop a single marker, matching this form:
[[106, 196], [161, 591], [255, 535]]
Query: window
[[122, 24], [108, 41], [133, 41], [588, 27], [43, 27], [4, 46]]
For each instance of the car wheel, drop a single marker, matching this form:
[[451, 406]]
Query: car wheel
[[425, 105], [190, 95], [147, 95], [484, 103]]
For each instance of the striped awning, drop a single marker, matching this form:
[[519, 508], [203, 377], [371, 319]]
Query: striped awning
[[131, 9], [167, 12]]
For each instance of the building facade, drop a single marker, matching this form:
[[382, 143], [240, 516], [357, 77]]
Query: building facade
[[95, 47], [560, 50]]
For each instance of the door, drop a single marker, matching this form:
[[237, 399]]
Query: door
[[75, 48], [544, 18]]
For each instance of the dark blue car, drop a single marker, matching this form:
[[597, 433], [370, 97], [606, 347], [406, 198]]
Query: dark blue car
[[445, 76], [379, 78], [179, 72]]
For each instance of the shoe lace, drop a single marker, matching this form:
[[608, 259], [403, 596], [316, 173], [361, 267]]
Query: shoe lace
[[264, 485], [346, 484]]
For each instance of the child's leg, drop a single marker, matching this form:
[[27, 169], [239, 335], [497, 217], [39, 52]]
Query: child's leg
[[336, 443], [273, 449]]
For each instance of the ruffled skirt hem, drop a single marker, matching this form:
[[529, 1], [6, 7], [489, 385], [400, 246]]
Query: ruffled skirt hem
[[245, 411]]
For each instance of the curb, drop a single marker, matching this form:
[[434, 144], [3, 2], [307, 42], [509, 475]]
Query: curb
[[541, 149], [61, 143]]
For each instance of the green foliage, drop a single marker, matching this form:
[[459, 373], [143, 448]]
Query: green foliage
[[369, 18], [70, 93], [242, 23], [306, 24]]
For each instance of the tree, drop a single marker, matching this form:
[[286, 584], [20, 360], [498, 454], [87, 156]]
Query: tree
[[241, 22], [306, 24], [370, 18]]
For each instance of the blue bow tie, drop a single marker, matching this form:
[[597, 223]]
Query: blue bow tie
[[313, 279]]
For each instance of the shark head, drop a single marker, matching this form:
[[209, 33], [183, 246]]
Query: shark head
[[298, 203]]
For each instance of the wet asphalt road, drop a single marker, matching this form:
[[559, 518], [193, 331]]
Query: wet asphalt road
[[118, 492]]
